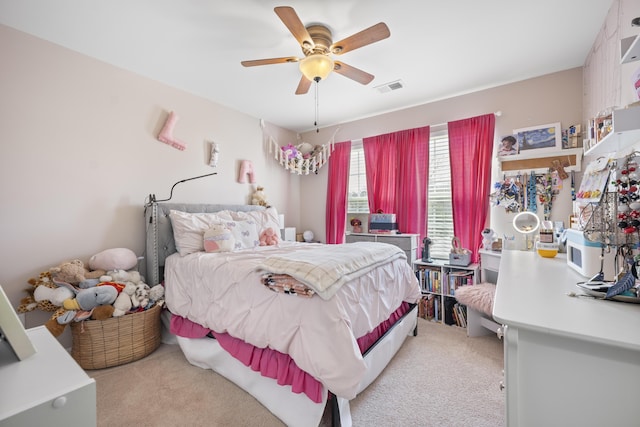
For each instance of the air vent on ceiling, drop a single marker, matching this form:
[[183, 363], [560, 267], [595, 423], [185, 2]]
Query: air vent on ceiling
[[388, 87]]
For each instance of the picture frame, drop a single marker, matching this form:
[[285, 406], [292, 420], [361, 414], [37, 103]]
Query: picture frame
[[539, 139], [12, 331], [507, 146]]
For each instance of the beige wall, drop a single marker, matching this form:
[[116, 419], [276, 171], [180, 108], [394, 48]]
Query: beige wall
[[79, 157]]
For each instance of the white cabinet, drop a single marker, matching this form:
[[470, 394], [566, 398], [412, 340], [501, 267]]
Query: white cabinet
[[568, 360], [45, 389], [407, 242]]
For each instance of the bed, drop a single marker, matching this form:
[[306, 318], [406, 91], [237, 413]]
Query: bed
[[300, 353]]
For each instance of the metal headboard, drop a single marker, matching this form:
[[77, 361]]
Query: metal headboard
[[160, 243]]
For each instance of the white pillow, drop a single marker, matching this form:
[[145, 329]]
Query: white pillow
[[189, 228], [244, 233], [264, 219]]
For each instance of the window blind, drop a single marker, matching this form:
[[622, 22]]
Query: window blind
[[439, 210], [357, 199]]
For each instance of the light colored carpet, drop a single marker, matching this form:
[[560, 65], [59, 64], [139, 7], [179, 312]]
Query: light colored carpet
[[439, 378]]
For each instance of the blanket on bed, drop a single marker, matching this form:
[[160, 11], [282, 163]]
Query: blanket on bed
[[328, 267]]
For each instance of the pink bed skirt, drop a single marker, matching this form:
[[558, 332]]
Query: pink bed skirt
[[272, 363]]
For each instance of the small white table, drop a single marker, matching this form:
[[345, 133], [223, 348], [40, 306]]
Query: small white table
[[46, 389]]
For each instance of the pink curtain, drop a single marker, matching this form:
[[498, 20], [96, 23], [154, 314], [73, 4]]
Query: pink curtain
[[337, 189], [397, 176], [470, 151]]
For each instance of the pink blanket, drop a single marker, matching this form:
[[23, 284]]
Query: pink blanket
[[272, 363]]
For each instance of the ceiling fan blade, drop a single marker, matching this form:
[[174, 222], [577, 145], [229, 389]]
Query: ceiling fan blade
[[269, 61], [352, 73], [367, 36], [290, 18], [303, 86]]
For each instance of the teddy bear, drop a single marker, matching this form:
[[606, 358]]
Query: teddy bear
[[269, 237], [259, 197], [74, 272]]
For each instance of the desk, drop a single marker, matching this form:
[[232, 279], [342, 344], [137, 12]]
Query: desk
[[568, 360], [48, 388]]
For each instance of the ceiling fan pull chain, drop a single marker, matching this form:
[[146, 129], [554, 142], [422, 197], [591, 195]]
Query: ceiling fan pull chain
[[317, 106]]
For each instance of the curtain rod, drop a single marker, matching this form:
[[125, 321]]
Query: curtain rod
[[497, 114]]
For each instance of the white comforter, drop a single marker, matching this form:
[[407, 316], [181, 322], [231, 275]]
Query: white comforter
[[223, 292]]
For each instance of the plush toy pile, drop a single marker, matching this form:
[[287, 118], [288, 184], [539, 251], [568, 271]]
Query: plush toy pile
[[108, 288]]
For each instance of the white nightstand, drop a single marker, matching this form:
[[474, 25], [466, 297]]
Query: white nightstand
[[48, 388]]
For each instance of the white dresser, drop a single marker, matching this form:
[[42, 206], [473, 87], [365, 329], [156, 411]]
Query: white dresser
[[568, 360], [407, 242], [46, 389]]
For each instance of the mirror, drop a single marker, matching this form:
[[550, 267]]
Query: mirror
[[526, 223]]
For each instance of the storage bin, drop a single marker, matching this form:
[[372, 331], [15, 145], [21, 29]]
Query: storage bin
[[460, 259], [101, 344]]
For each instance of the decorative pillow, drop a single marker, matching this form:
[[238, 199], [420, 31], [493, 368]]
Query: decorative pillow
[[188, 228], [264, 219], [244, 233], [218, 238]]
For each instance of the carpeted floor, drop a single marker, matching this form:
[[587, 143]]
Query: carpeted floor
[[439, 378]]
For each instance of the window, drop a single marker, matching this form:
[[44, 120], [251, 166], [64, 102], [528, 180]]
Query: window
[[440, 213], [357, 201], [439, 210]]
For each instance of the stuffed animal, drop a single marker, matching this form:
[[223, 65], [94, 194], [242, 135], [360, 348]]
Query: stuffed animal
[[218, 238], [113, 259], [29, 303], [259, 198], [156, 294], [140, 298], [55, 296], [122, 305], [269, 237], [87, 299], [122, 276], [73, 272], [102, 312]]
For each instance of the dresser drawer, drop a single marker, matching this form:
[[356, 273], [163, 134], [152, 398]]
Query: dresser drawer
[[352, 238], [404, 242]]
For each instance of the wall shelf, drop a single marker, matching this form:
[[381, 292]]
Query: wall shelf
[[629, 49], [540, 163], [625, 132]]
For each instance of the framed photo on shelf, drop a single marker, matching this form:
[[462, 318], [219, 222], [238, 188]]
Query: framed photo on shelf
[[539, 139], [508, 146]]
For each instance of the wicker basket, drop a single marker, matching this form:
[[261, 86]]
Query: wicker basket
[[101, 344]]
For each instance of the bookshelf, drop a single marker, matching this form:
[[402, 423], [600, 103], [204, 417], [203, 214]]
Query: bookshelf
[[438, 282]]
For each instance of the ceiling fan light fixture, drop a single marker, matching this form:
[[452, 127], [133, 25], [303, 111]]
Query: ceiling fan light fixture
[[316, 67]]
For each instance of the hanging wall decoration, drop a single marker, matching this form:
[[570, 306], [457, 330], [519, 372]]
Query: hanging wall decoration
[[166, 134], [302, 158]]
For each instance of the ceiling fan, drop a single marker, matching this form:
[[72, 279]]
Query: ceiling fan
[[318, 46]]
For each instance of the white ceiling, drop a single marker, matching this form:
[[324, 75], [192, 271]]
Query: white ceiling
[[438, 49]]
